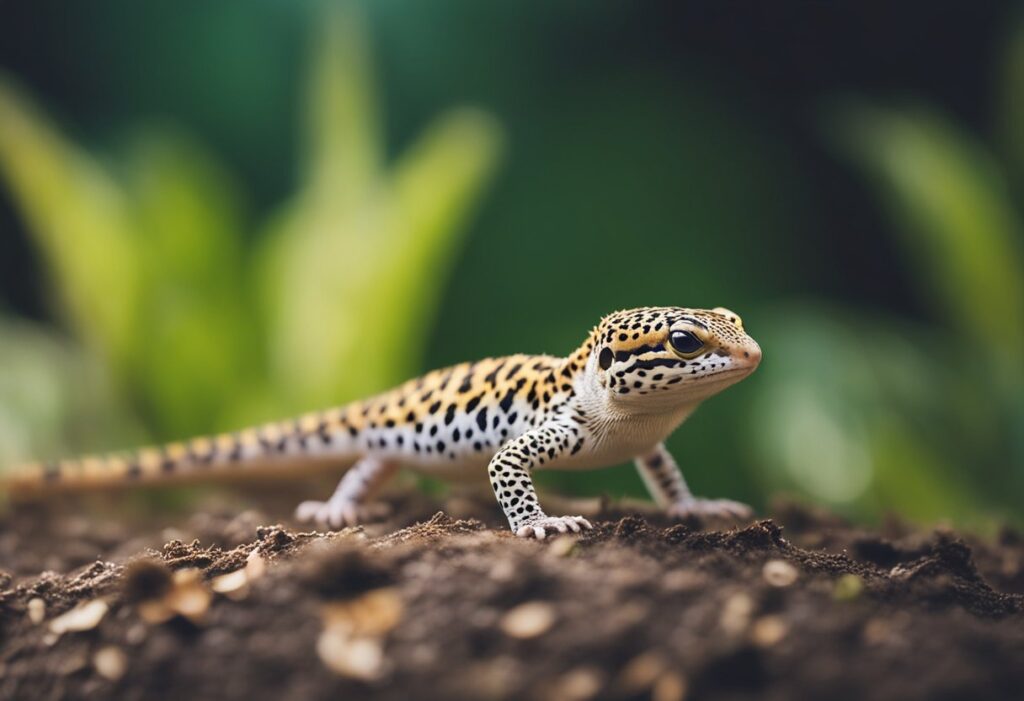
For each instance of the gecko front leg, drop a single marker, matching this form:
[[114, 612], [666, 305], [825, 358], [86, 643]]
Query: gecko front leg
[[665, 482], [509, 473], [348, 505]]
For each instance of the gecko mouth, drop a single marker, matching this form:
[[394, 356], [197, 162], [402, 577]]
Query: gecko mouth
[[730, 371]]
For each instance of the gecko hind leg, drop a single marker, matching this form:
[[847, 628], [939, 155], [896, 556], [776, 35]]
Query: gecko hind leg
[[349, 505]]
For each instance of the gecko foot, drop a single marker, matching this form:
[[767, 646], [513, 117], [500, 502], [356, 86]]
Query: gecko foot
[[714, 508], [338, 513], [540, 527]]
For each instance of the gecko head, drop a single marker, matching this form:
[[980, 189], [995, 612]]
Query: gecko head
[[664, 357]]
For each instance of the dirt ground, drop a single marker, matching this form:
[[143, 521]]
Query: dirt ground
[[440, 602]]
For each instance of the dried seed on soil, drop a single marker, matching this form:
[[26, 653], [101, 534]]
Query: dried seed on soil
[[768, 631], [736, 613], [528, 620], [355, 657], [36, 610], [110, 662], [779, 573], [372, 614], [85, 616]]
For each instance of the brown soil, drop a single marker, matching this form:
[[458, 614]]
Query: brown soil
[[429, 606]]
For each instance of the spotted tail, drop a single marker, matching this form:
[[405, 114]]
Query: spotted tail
[[310, 443]]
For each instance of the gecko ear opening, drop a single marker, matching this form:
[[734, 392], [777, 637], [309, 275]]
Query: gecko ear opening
[[605, 358], [730, 315]]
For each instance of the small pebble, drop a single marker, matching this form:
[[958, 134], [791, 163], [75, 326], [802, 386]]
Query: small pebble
[[671, 686], [562, 546], [85, 616], [641, 672], [528, 620], [736, 613], [230, 583], [372, 614], [189, 596], [579, 684], [768, 630], [110, 662], [255, 566], [779, 573], [36, 610], [683, 581], [356, 658]]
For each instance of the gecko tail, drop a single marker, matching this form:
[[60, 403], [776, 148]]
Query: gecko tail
[[303, 446]]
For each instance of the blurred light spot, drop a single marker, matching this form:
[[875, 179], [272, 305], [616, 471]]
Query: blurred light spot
[[824, 456]]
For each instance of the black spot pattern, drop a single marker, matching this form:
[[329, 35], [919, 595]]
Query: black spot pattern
[[521, 411], [510, 468]]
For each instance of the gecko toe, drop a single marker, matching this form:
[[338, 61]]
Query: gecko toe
[[541, 527], [307, 511]]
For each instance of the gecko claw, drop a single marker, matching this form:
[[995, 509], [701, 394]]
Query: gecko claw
[[539, 527]]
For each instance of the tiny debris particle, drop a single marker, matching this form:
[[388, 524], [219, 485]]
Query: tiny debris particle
[[671, 686], [768, 630], [683, 581], [110, 662], [135, 634], [641, 672], [528, 620], [187, 597], [878, 631], [579, 684], [848, 587], [36, 610], [85, 616], [736, 613], [502, 571], [355, 657], [779, 573], [230, 583], [255, 566], [236, 584], [371, 614], [563, 546]]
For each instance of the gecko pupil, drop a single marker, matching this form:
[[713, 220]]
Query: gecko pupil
[[605, 359], [685, 342]]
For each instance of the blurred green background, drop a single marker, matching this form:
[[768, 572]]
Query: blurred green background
[[219, 213]]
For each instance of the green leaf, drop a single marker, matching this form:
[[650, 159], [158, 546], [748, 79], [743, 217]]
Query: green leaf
[[1011, 111], [342, 130], [959, 223], [197, 341], [80, 221], [351, 281], [867, 415], [54, 399]]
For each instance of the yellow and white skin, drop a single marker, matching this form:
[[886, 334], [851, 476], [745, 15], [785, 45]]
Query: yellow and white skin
[[638, 375]]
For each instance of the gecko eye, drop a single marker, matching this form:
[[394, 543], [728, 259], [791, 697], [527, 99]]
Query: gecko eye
[[685, 343]]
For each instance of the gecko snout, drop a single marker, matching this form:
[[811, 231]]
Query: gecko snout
[[750, 354]]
